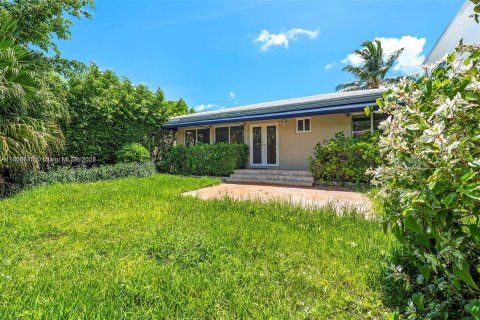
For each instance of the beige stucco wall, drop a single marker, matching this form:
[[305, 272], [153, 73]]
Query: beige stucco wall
[[295, 148]]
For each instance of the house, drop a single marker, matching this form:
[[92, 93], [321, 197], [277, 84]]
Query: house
[[282, 134], [462, 28]]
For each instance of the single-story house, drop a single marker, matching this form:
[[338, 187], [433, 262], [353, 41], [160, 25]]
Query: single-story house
[[282, 134]]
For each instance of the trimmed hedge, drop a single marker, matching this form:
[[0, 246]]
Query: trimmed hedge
[[345, 159], [81, 174], [219, 159], [133, 152]]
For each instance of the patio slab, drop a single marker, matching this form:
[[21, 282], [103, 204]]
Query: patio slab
[[306, 197]]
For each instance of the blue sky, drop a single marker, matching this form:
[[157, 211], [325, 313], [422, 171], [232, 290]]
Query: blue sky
[[221, 54]]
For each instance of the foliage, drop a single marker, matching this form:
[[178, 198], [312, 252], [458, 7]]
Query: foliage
[[219, 159], [136, 248], [372, 71], [43, 21], [162, 142], [133, 152], [31, 105], [108, 112], [345, 159], [82, 174], [476, 9], [430, 185]]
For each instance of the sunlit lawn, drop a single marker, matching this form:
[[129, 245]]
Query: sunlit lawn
[[135, 248]]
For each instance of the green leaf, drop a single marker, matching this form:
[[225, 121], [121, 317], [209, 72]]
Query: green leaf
[[474, 308], [475, 231], [449, 199], [418, 299], [393, 316], [464, 274], [411, 224]]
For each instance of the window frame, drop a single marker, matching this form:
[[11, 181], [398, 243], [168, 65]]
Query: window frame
[[196, 134], [372, 122], [229, 132], [303, 120]]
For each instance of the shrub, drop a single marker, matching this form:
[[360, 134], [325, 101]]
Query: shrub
[[219, 159], [345, 159], [133, 152], [81, 174], [430, 185]]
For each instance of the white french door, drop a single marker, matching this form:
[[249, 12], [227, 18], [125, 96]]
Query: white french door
[[264, 145]]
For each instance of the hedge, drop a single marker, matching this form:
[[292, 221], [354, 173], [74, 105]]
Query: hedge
[[82, 174], [219, 159], [133, 152], [345, 159]]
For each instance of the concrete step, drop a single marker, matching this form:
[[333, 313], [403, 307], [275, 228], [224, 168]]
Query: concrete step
[[264, 181], [301, 173], [272, 177]]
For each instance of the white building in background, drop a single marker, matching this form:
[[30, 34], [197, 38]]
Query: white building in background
[[462, 28]]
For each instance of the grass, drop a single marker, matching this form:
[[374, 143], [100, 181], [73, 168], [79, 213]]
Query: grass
[[135, 249]]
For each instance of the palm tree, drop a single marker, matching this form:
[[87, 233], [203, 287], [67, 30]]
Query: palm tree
[[371, 72], [29, 111]]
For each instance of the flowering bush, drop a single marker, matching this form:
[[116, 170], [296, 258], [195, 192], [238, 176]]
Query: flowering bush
[[430, 185]]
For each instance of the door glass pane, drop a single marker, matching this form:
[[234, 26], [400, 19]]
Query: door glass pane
[[271, 145], [257, 145], [236, 134], [189, 137], [203, 135], [221, 134]]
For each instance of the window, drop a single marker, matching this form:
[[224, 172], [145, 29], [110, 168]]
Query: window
[[221, 135], [303, 125], [231, 134], [193, 136], [362, 124], [236, 134], [203, 136]]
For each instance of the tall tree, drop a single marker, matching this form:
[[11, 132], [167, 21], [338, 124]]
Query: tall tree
[[108, 111], [373, 69], [42, 21], [29, 106]]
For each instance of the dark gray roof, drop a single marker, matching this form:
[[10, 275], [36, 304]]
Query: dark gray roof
[[319, 104]]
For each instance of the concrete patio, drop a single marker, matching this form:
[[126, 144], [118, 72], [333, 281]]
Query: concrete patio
[[306, 197]]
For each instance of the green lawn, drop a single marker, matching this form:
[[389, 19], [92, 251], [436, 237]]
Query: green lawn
[[134, 248]]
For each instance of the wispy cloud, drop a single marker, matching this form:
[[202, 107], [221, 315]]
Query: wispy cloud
[[267, 39], [233, 97], [409, 62], [207, 107], [329, 66]]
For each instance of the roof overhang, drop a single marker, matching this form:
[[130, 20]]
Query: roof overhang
[[276, 115]]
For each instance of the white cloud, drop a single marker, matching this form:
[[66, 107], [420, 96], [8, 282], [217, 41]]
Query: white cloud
[[233, 97], [353, 59], [409, 62], [207, 107], [268, 39], [329, 66]]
